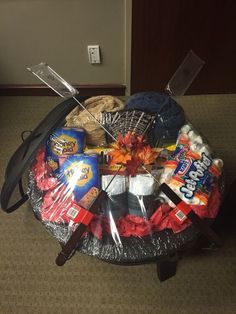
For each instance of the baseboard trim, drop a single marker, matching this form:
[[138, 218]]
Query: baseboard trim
[[42, 90]]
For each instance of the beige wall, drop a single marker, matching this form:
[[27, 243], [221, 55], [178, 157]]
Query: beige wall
[[58, 32]]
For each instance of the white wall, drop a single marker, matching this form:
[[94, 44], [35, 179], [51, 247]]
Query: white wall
[[58, 32]]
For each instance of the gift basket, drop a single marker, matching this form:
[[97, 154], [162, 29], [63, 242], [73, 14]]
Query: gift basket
[[127, 182]]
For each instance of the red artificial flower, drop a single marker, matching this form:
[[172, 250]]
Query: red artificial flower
[[132, 166]]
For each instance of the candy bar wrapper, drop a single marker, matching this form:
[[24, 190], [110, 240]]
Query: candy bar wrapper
[[191, 171]]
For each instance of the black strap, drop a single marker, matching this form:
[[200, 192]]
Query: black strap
[[31, 139], [202, 225], [21, 188], [17, 204], [69, 248], [24, 198], [25, 134]]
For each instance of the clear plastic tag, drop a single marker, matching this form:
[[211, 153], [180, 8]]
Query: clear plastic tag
[[53, 80], [185, 75], [61, 87]]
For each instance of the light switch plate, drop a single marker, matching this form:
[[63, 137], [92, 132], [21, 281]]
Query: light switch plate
[[94, 54]]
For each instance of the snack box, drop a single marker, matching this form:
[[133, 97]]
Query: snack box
[[63, 142], [79, 173]]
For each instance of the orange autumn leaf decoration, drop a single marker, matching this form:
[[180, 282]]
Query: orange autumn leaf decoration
[[132, 151], [119, 156], [146, 154]]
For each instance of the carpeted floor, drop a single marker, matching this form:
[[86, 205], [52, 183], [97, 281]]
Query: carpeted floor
[[30, 282]]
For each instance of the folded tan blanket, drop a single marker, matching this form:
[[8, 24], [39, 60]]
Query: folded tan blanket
[[79, 118]]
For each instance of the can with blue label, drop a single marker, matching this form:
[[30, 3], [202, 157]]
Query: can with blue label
[[63, 142], [80, 173]]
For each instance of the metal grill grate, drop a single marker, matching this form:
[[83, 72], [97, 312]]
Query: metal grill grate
[[121, 122]]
